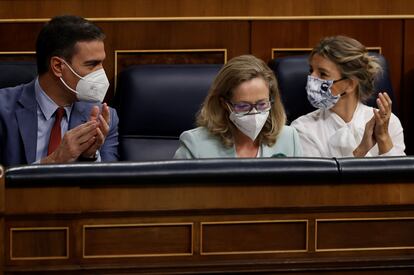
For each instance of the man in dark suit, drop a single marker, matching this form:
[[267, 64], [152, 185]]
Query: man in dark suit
[[58, 117]]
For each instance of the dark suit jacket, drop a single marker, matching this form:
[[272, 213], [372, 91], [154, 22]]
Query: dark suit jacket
[[18, 126]]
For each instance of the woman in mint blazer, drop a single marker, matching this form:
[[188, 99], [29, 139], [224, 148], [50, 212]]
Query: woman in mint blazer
[[242, 116]]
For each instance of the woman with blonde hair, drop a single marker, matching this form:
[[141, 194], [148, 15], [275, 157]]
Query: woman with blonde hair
[[242, 116], [341, 79]]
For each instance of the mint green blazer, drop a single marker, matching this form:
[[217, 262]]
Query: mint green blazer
[[199, 143]]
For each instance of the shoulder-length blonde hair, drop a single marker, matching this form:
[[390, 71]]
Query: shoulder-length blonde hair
[[353, 61], [215, 116]]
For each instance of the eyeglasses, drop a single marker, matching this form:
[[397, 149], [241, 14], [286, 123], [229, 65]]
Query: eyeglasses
[[244, 108]]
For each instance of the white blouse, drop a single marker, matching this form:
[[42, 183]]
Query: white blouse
[[323, 133]]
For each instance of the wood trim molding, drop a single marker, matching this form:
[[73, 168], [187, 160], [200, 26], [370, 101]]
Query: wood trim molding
[[222, 18], [319, 221], [100, 226], [274, 51], [17, 53], [305, 221], [15, 229]]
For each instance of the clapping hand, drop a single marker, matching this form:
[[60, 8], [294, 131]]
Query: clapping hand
[[103, 120], [376, 129]]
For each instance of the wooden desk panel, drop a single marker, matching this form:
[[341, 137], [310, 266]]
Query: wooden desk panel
[[210, 227]]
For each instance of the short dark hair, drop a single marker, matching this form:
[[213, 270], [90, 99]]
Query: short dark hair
[[59, 36]]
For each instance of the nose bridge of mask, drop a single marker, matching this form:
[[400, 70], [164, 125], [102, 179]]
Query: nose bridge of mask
[[252, 111]]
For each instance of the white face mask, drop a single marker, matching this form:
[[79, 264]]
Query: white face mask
[[250, 125], [319, 92], [91, 87]]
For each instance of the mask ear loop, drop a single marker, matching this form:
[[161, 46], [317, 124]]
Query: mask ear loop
[[67, 86], [72, 70], [63, 82], [342, 78]]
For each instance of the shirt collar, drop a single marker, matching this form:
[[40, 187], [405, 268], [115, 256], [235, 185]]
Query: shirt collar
[[357, 120], [46, 104]]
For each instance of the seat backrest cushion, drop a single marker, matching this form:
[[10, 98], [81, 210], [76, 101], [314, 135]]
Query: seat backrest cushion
[[156, 103], [13, 73]]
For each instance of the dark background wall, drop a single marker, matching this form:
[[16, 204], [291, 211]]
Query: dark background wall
[[213, 31]]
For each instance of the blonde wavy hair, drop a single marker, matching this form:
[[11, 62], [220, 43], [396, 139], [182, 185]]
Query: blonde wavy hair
[[353, 61], [213, 114]]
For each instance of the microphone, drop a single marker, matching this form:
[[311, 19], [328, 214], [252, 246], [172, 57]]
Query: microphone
[[278, 155]]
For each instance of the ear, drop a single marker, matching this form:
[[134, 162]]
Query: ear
[[352, 85], [55, 66]]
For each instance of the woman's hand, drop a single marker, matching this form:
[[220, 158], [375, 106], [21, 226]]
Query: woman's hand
[[382, 120], [368, 140]]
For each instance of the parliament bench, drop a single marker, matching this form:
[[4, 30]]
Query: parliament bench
[[290, 215]]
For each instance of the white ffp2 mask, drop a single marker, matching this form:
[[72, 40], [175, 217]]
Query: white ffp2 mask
[[91, 87], [250, 125]]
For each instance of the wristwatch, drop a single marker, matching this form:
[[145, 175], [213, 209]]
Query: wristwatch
[[91, 159]]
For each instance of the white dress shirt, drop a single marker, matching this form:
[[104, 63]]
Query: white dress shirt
[[323, 133]]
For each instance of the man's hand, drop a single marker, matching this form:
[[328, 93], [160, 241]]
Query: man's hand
[[102, 130], [74, 142]]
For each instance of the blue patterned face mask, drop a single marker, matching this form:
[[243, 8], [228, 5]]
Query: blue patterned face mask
[[319, 92]]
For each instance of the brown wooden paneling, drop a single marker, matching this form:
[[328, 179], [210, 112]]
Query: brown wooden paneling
[[126, 58], [18, 56], [235, 196], [125, 223], [179, 8], [140, 240], [232, 36], [276, 52], [365, 234], [353, 271], [253, 237], [2, 246], [41, 243], [21, 36], [48, 199]]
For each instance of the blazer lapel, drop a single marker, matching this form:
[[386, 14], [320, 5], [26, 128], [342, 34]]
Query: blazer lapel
[[26, 117]]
